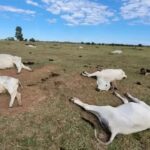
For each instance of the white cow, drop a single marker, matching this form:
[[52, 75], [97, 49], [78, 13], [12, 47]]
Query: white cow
[[107, 77], [9, 61], [117, 52], [31, 46], [80, 47], [10, 85], [130, 117]]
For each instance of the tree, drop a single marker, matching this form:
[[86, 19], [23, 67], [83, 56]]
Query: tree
[[140, 45], [19, 34], [92, 43], [25, 40], [32, 40]]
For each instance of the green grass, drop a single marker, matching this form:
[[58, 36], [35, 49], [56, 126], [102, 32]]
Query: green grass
[[56, 123]]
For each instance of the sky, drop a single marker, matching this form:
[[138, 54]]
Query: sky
[[100, 21]]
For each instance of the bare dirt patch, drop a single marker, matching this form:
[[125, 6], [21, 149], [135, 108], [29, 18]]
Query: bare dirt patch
[[32, 92]]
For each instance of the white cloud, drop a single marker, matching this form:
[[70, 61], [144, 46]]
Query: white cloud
[[32, 3], [80, 12], [136, 10], [16, 10]]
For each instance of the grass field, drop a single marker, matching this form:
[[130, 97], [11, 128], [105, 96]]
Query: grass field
[[54, 123]]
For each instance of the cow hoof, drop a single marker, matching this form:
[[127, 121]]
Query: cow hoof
[[98, 90], [71, 99], [82, 73]]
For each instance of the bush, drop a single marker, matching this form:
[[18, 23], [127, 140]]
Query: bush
[[10, 39], [32, 40]]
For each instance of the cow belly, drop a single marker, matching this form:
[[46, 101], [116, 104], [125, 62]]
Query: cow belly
[[5, 64]]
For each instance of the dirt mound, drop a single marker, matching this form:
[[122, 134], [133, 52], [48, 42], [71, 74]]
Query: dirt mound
[[32, 93]]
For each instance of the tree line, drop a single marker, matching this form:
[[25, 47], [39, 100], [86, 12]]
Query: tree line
[[110, 44], [19, 37]]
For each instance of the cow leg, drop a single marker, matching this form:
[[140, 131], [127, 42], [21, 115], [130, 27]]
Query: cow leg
[[19, 98], [26, 67], [113, 134], [19, 66], [86, 74], [91, 108], [124, 100], [13, 95], [133, 98]]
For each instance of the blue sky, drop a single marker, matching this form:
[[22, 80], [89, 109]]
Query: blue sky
[[108, 21]]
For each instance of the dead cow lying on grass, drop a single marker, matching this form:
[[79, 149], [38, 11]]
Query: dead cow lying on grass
[[116, 52], [10, 85], [9, 61], [106, 77], [127, 118]]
